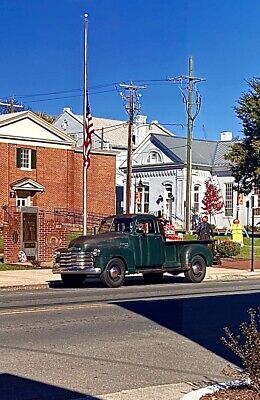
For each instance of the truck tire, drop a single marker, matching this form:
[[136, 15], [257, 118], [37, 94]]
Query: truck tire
[[197, 272], [72, 280], [153, 277], [113, 275]]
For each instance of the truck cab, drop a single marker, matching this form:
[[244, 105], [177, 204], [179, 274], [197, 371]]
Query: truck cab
[[130, 244]]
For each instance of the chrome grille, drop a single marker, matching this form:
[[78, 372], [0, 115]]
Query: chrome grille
[[76, 259]]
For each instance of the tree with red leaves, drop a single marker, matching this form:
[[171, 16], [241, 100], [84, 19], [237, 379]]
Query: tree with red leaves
[[212, 200]]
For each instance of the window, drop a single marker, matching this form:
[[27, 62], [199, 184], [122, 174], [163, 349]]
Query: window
[[257, 209], [146, 199], [168, 200], [26, 158], [145, 226], [142, 199], [229, 199], [154, 158], [23, 199], [196, 198]]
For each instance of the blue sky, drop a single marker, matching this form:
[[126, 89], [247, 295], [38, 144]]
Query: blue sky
[[138, 40]]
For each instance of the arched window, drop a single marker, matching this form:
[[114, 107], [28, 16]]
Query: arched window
[[154, 158]]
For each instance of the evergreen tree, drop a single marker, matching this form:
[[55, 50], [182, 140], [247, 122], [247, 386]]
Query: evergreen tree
[[212, 200], [244, 156]]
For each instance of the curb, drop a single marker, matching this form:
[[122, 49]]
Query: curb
[[25, 287], [223, 278], [232, 277], [197, 394]]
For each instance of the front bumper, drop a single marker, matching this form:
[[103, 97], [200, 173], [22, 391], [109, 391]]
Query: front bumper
[[74, 270]]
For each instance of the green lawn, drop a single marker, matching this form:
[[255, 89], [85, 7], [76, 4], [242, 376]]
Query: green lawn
[[245, 252]]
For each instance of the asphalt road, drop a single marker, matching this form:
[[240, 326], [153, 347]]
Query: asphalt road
[[65, 343]]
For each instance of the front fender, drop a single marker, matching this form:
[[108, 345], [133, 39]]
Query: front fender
[[190, 251], [125, 254]]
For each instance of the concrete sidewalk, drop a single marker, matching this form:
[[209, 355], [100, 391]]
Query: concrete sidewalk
[[39, 278]]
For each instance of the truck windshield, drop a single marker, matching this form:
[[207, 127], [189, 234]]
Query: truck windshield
[[116, 225]]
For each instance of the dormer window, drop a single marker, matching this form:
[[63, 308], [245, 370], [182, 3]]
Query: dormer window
[[154, 158]]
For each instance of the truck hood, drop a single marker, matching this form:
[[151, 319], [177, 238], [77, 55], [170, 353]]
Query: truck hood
[[102, 240]]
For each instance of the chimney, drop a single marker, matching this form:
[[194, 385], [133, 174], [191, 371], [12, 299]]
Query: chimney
[[68, 109], [140, 119], [226, 136], [140, 131]]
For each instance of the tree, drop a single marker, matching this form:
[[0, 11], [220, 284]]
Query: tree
[[46, 117], [11, 105], [212, 200], [244, 156]]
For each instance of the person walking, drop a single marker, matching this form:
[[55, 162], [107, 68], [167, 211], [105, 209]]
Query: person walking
[[204, 230]]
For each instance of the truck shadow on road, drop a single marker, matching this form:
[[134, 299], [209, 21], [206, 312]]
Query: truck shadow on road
[[200, 319], [130, 281], [13, 387]]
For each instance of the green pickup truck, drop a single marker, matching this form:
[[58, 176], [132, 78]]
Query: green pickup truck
[[131, 244]]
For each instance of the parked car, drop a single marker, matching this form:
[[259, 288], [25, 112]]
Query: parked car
[[130, 244]]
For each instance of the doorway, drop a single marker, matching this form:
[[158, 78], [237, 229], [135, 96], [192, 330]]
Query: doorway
[[29, 232]]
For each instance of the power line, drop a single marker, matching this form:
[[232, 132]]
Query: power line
[[100, 86]]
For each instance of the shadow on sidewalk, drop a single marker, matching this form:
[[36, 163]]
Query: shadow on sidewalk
[[200, 319], [13, 387]]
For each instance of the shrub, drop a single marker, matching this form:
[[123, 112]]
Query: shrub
[[227, 248], [247, 347]]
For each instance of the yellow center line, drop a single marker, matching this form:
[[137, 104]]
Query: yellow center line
[[57, 308]]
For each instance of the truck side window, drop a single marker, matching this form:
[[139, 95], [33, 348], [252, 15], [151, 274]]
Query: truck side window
[[145, 226], [151, 227]]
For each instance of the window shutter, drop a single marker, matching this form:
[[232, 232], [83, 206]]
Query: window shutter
[[33, 155], [18, 158]]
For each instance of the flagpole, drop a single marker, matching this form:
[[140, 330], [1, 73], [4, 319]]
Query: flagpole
[[85, 86]]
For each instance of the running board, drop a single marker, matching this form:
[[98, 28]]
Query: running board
[[162, 270]]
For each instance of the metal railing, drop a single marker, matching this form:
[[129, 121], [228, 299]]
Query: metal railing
[[63, 216]]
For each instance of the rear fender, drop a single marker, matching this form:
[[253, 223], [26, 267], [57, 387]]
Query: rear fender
[[190, 251]]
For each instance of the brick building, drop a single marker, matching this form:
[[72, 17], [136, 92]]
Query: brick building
[[40, 166]]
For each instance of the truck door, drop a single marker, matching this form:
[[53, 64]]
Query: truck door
[[149, 245]]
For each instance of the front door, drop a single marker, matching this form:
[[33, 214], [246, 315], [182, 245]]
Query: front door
[[29, 217], [149, 244]]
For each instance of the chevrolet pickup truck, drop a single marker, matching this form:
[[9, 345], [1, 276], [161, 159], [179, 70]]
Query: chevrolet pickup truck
[[131, 244]]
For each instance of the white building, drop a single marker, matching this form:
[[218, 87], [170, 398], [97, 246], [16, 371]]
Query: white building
[[110, 134], [159, 175]]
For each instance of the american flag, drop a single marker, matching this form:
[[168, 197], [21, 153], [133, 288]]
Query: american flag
[[88, 131]]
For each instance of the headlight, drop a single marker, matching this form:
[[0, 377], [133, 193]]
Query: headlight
[[56, 254], [96, 252]]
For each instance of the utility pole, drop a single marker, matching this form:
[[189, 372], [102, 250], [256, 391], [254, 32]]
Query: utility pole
[[189, 147], [132, 106], [193, 99], [12, 105]]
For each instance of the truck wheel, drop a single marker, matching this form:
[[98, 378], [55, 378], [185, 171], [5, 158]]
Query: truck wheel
[[197, 272], [114, 274], [73, 279], [153, 278]]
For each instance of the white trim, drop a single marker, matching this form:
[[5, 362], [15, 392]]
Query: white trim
[[36, 143]]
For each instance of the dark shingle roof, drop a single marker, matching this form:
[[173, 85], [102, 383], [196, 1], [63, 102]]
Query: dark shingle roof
[[204, 152]]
